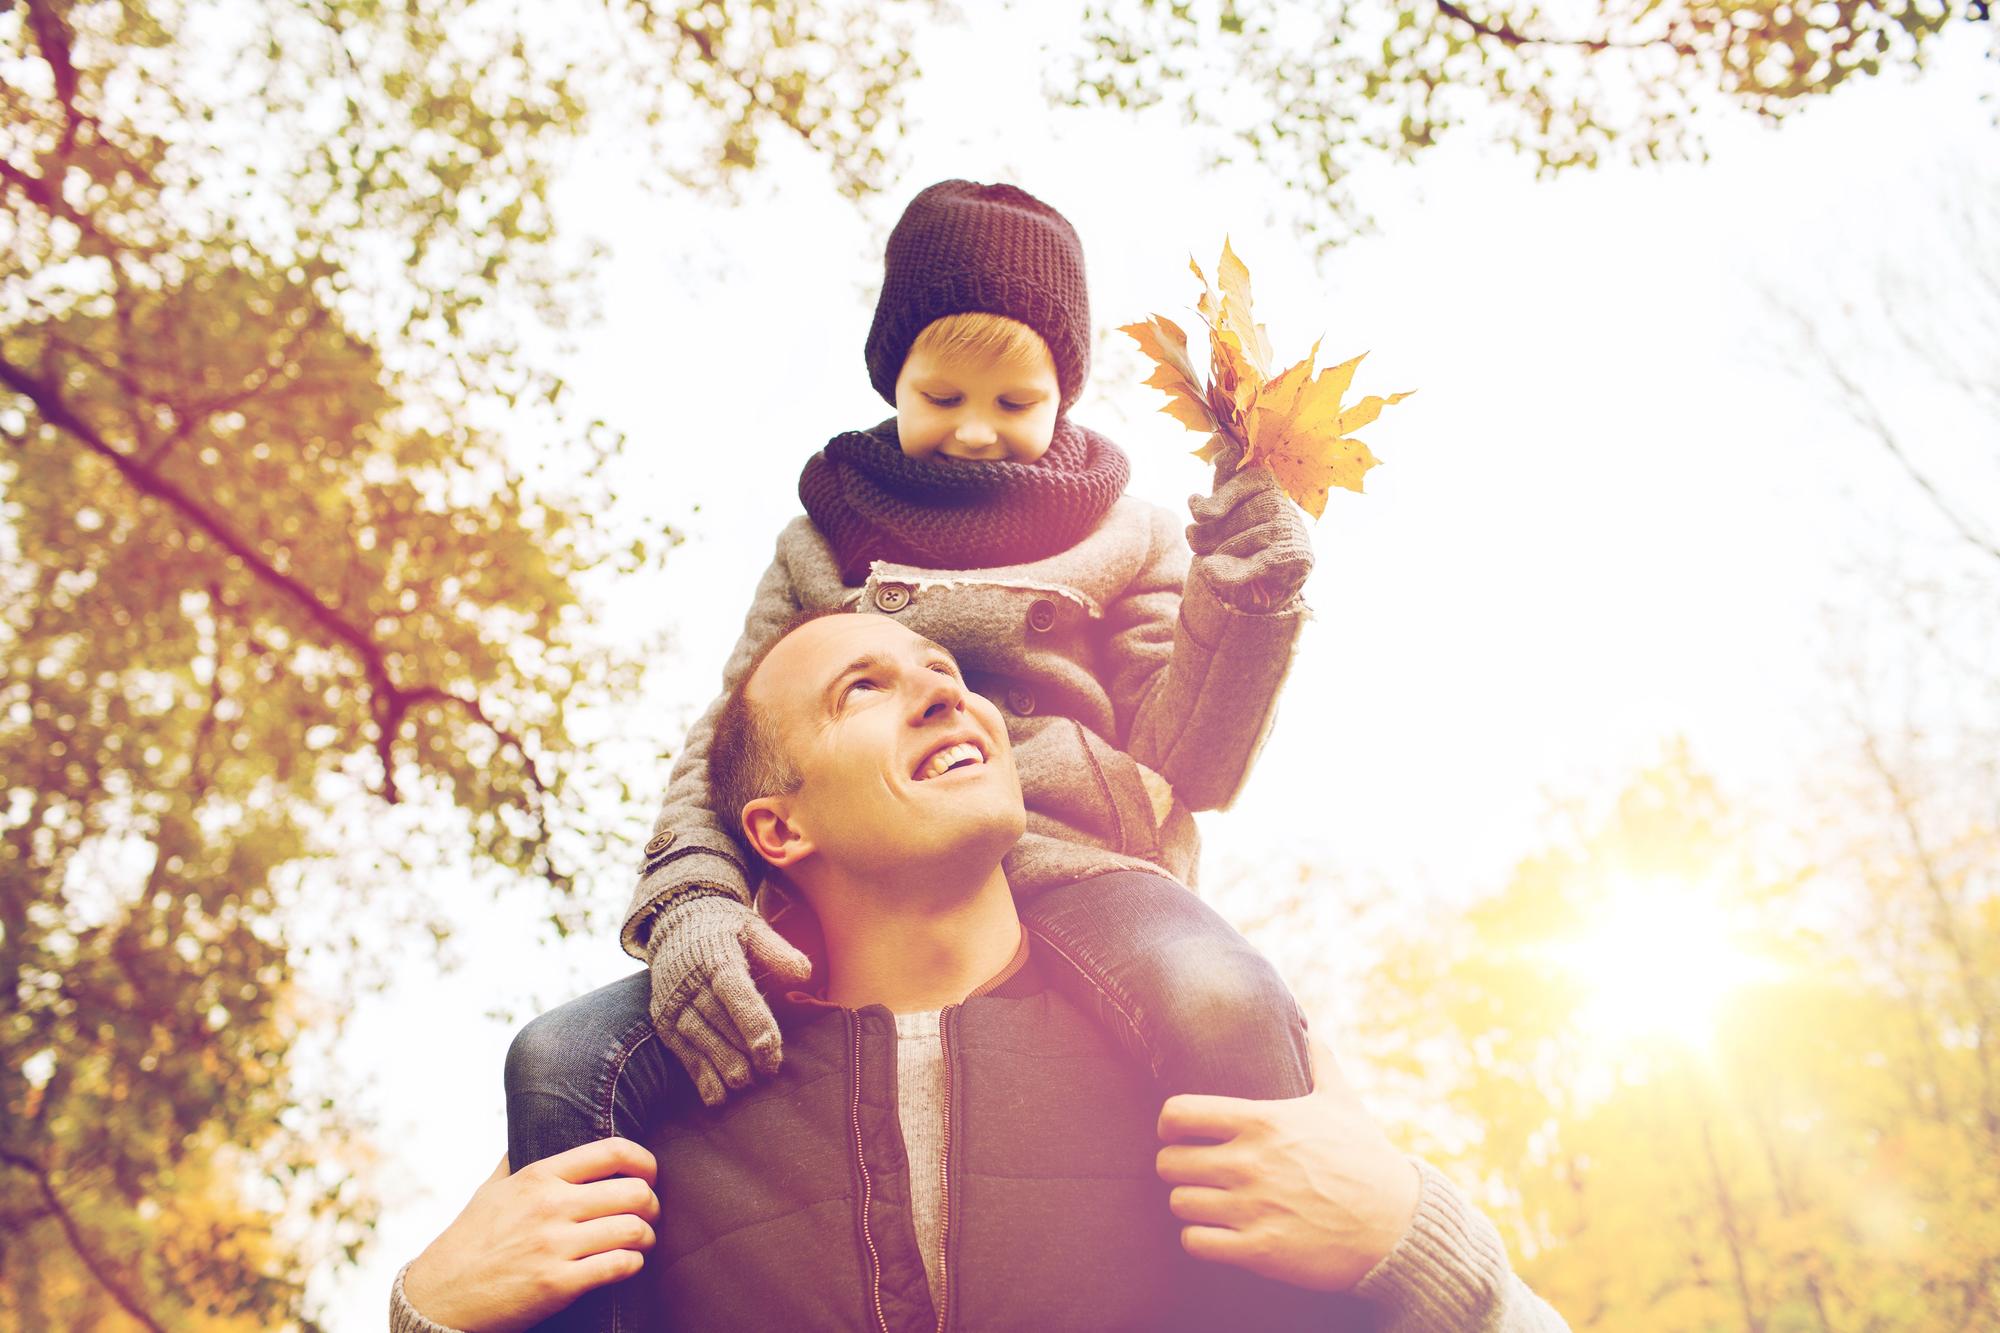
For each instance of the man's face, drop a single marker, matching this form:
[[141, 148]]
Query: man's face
[[899, 762], [976, 407]]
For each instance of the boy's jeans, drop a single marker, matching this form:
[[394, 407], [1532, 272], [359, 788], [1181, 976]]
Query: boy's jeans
[[1165, 975]]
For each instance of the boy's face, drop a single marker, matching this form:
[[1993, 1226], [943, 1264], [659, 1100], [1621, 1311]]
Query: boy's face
[[977, 408]]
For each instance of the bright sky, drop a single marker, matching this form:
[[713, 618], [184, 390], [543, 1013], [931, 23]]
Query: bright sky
[[1612, 515]]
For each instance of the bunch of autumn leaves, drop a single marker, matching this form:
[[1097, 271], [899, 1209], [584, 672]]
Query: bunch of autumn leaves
[[1293, 423]]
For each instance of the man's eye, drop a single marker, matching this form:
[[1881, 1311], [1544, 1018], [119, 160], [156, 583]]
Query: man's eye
[[947, 668], [853, 685]]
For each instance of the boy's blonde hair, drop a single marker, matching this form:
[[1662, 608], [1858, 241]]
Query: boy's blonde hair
[[978, 335]]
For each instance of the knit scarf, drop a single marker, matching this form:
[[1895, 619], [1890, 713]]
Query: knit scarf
[[871, 501]]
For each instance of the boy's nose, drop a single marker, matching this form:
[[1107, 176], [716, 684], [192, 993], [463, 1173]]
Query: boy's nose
[[975, 432]]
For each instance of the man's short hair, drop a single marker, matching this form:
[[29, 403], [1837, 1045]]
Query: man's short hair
[[747, 757]]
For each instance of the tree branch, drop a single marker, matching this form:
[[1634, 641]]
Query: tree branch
[[389, 701], [1864, 411], [52, 35], [71, 1231], [1944, 924], [1499, 30]]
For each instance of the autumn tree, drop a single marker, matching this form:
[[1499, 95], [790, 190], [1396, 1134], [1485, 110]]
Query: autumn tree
[[1314, 91], [1709, 1078], [297, 526]]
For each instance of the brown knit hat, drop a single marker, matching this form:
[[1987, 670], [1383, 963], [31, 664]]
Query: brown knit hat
[[961, 247]]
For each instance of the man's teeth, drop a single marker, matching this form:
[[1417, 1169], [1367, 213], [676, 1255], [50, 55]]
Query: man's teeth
[[949, 756]]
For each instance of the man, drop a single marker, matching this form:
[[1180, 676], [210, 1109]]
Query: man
[[949, 1142]]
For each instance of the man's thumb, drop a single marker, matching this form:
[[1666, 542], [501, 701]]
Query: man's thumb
[[1326, 1075], [775, 953]]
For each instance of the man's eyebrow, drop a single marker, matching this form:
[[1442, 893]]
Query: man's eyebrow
[[865, 662]]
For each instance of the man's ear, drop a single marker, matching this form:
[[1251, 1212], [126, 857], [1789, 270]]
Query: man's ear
[[768, 828]]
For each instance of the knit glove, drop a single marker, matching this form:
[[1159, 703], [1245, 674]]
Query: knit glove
[[704, 1005], [1250, 539]]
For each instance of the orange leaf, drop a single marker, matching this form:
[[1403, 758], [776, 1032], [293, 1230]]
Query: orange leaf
[[1295, 424]]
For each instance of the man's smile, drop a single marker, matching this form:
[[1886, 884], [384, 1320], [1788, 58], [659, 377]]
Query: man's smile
[[949, 756]]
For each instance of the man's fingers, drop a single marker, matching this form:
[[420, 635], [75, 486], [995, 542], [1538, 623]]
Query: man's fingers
[[620, 1194], [1206, 1205], [597, 1270], [751, 1016], [620, 1232], [1183, 1164], [1198, 1116], [601, 1159], [1217, 1245]]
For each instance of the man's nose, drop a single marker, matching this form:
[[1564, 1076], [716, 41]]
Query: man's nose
[[940, 695]]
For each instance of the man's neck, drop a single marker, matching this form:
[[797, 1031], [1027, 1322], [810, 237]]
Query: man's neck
[[916, 951]]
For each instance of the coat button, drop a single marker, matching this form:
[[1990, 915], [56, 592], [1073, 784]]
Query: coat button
[[1042, 616], [659, 843], [892, 597], [1021, 699]]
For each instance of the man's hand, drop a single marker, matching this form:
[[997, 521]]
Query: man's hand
[[530, 1243], [705, 1007], [1309, 1191]]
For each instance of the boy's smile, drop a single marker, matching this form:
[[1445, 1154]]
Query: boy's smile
[[977, 408]]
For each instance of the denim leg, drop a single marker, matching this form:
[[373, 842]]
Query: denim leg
[[586, 1070], [583, 1071], [1174, 982]]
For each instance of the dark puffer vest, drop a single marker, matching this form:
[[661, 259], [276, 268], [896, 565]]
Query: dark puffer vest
[[789, 1206]]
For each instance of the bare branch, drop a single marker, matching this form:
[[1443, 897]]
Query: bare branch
[[1866, 413], [99, 1269], [1945, 926]]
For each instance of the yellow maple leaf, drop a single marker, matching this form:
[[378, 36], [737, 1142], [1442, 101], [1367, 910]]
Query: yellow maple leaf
[[1163, 340], [1296, 424]]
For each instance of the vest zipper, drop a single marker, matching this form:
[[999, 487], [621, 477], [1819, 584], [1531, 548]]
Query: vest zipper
[[944, 1173], [867, 1183]]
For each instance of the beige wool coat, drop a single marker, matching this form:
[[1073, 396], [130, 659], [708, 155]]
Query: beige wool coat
[[1133, 695]]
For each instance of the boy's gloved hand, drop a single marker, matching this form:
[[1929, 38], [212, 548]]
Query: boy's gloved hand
[[1250, 539], [704, 1005]]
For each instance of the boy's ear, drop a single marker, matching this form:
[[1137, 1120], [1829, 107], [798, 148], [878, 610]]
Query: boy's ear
[[768, 828]]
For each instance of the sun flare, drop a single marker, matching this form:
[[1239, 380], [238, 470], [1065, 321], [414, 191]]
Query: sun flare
[[1660, 961]]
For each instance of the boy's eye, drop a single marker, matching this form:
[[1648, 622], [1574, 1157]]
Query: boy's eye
[[1015, 407], [943, 402]]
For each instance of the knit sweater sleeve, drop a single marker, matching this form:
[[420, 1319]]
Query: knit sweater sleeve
[[1450, 1271], [1194, 680], [405, 1317], [692, 848]]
